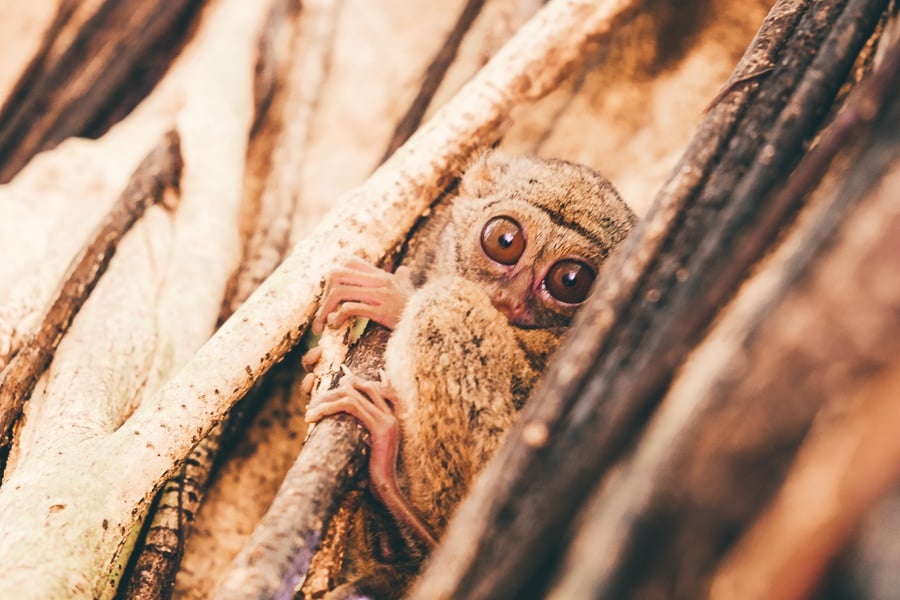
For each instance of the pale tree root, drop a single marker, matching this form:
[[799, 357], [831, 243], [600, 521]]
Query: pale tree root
[[159, 173]]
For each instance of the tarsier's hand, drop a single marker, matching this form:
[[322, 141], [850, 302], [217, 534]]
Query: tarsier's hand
[[370, 402], [358, 289]]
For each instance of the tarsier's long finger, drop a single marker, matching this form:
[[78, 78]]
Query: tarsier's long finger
[[341, 405], [359, 278], [372, 389], [359, 309], [359, 264], [324, 404], [358, 406], [307, 383]]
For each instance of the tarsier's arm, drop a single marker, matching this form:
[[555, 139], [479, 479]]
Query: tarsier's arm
[[457, 366]]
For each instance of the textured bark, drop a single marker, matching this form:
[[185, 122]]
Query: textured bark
[[83, 75], [720, 444], [850, 456], [159, 552], [67, 482], [154, 178]]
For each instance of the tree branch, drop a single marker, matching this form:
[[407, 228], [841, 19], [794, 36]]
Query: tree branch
[[89, 56]]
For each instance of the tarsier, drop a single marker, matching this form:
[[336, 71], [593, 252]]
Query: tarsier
[[475, 314]]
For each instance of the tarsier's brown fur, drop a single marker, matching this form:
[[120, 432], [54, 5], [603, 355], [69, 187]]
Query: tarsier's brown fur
[[461, 369]]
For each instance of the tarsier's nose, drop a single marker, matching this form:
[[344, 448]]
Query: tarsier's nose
[[509, 304]]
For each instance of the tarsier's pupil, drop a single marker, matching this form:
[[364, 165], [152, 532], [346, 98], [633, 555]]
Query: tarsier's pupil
[[506, 240], [570, 279]]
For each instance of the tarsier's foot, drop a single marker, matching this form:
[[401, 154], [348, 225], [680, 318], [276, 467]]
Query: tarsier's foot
[[358, 289], [371, 403]]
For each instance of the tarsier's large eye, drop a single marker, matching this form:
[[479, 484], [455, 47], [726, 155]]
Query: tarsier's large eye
[[502, 240], [569, 281]]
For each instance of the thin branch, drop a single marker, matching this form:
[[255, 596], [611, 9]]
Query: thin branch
[[275, 560], [86, 68], [434, 76]]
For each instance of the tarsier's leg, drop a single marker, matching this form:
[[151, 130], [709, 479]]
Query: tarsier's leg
[[457, 368]]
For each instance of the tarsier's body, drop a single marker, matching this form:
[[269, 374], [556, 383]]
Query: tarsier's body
[[475, 314]]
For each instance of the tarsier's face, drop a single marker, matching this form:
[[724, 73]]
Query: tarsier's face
[[534, 233], [555, 284], [535, 271]]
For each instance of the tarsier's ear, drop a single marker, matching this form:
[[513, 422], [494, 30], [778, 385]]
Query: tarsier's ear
[[481, 178]]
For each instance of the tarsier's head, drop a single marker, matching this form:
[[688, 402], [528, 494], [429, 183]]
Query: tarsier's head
[[535, 233]]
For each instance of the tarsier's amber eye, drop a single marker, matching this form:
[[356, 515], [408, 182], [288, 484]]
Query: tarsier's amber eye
[[502, 240], [569, 281]]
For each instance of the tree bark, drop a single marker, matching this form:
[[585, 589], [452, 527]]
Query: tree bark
[[154, 178], [719, 446]]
